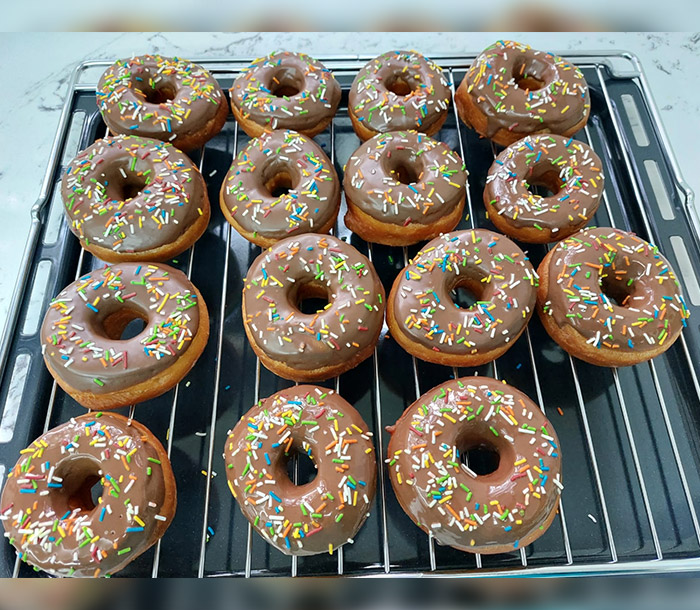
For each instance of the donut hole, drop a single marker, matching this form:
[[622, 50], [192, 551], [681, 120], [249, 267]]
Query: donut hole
[[156, 92], [481, 458], [463, 297], [545, 184], [123, 324], [311, 298], [80, 479], [402, 83], [404, 166], [530, 74], [120, 188], [280, 184], [405, 174], [300, 466], [616, 290], [540, 190], [286, 81], [467, 292]]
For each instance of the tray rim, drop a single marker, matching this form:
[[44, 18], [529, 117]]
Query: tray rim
[[448, 61]]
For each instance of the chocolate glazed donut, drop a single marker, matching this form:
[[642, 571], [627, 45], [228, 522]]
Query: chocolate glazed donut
[[327, 512], [281, 184], [166, 98], [475, 463], [133, 199], [285, 91], [426, 322], [81, 334], [568, 168], [403, 187], [49, 514], [397, 91], [610, 298], [312, 346], [511, 91]]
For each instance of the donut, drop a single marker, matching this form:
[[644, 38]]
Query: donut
[[312, 346], [610, 298], [475, 463], [403, 187], [512, 90], [48, 511], [566, 167], [319, 516], [166, 98], [424, 319], [397, 91], [129, 198], [281, 183], [82, 330], [285, 91]]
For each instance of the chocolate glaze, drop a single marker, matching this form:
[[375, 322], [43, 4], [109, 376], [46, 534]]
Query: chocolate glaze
[[560, 102], [183, 96], [312, 200], [375, 178], [380, 109], [63, 534], [447, 499], [312, 264], [131, 194], [286, 91], [80, 321], [480, 260], [568, 166], [589, 267], [325, 513]]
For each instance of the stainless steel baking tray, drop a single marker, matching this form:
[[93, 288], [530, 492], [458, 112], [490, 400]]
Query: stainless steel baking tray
[[630, 437]]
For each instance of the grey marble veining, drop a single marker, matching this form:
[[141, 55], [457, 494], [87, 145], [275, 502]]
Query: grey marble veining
[[38, 65]]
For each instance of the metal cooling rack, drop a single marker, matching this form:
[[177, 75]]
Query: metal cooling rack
[[630, 437]]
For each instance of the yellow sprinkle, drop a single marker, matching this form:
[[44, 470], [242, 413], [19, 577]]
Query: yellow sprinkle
[[165, 298]]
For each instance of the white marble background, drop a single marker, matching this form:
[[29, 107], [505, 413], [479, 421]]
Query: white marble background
[[36, 68]]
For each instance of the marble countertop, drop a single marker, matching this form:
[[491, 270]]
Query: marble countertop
[[38, 66]]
